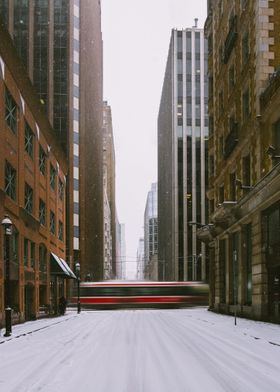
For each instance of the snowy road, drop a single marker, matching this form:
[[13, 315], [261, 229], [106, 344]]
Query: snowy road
[[141, 350]]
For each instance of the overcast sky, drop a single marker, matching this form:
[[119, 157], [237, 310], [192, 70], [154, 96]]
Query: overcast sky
[[136, 35]]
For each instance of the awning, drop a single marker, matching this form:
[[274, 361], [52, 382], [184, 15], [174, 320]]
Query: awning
[[60, 267]]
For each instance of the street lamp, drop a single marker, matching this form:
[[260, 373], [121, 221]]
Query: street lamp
[[78, 270], [7, 226]]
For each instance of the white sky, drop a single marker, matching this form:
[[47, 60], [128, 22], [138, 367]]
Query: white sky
[[136, 35]]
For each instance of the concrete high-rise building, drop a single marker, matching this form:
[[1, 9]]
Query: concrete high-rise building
[[60, 43], [150, 230], [182, 157], [140, 259], [109, 180]]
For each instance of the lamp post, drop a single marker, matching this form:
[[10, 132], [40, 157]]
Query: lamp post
[[78, 269], [7, 226]]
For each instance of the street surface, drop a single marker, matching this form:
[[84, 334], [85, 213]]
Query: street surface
[[141, 351]]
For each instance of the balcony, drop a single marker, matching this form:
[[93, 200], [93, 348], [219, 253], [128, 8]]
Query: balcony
[[231, 140], [231, 39]]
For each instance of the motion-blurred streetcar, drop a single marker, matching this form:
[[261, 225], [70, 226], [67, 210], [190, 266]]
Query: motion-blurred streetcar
[[116, 294]]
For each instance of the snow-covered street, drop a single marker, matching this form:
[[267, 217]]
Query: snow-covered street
[[141, 350]]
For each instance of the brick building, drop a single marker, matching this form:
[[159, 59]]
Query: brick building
[[244, 136], [33, 171]]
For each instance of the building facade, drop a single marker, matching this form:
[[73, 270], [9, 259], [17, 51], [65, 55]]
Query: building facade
[[182, 157], [150, 230], [140, 260], [244, 191], [32, 192], [59, 42], [109, 183]]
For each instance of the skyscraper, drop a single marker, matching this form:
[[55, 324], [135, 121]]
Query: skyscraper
[[60, 43], [182, 156]]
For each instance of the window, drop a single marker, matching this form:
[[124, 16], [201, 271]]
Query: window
[[42, 161], [231, 77], [25, 252], [248, 266], [60, 231], [52, 222], [10, 180], [28, 198], [42, 212], [10, 111], [232, 186], [221, 103], [221, 194], [28, 140], [276, 137], [60, 189], [245, 48], [221, 146], [245, 105], [42, 258], [52, 177], [32, 254], [246, 165]]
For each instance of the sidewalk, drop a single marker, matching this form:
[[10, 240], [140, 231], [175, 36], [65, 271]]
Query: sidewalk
[[36, 325]]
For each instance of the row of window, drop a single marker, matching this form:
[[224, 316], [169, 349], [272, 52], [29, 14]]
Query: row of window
[[11, 111]]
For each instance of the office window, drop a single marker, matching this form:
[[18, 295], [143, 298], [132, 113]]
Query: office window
[[232, 186], [231, 77], [52, 177], [276, 137], [245, 48], [42, 212], [52, 222], [32, 254], [10, 111], [28, 140], [245, 105], [28, 198], [25, 252], [61, 189], [42, 258], [221, 194], [10, 180], [42, 161], [246, 165], [60, 231]]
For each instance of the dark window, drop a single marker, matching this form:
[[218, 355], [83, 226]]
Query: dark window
[[20, 33], [245, 105], [60, 231], [52, 177], [245, 48], [232, 186], [231, 77], [221, 146], [32, 254], [276, 137], [29, 140], [52, 222], [42, 258], [25, 252], [42, 161], [61, 189], [248, 266], [42, 212], [221, 194], [246, 165], [28, 198], [10, 180], [10, 111]]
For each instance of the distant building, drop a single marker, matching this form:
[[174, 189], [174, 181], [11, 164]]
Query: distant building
[[150, 230], [123, 251], [140, 260], [109, 185], [182, 157]]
